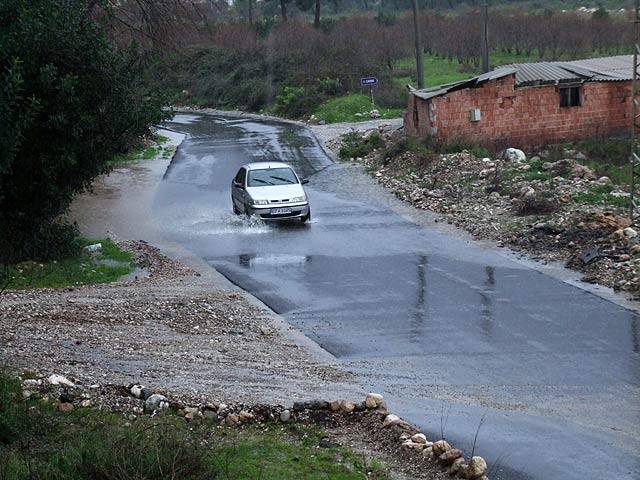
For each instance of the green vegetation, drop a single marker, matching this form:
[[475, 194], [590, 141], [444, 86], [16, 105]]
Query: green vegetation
[[354, 146], [347, 108], [535, 171], [601, 195], [142, 151], [609, 157], [69, 102], [107, 265], [36, 441]]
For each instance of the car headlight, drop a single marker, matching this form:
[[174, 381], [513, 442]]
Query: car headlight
[[259, 202], [299, 199]]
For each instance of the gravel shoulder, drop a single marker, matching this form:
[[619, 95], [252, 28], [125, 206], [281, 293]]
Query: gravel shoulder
[[175, 330], [183, 328]]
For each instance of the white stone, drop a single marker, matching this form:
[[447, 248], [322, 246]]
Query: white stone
[[413, 445], [136, 391], [60, 380], [391, 419], [419, 438], [515, 155], [374, 400], [477, 467], [285, 416], [96, 247], [630, 232], [156, 402]]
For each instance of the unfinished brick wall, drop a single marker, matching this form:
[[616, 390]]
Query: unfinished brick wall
[[521, 117]]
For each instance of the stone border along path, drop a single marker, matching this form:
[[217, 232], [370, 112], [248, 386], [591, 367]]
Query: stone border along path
[[137, 399]]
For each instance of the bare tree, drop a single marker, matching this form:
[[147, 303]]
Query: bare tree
[[316, 17]]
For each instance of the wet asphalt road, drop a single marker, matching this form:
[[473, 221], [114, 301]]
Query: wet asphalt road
[[447, 330]]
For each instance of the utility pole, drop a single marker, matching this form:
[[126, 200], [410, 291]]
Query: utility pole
[[485, 36], [418, 44], [634, 159]]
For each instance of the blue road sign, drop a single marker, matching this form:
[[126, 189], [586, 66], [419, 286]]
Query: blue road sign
[[368, 81]]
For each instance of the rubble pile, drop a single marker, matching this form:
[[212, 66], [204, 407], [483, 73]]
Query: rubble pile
[[554, 209]]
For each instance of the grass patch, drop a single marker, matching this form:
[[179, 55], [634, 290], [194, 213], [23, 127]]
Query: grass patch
[[354, 146], [143, 151], [601, 195], [608, 156], [36, 441], [535, 171], [108, 265], [345, 108]]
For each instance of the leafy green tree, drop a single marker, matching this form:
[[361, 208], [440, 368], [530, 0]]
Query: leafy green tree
[[69, 101]]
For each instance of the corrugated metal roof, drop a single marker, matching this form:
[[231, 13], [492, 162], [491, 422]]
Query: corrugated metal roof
[[593, 69], [605, 69], [427, 93]]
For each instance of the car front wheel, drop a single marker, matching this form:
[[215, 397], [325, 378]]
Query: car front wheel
[[306, 218]]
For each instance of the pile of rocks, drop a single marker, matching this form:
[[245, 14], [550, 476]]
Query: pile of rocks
[[134, 400], [545, 207], [451, 458]]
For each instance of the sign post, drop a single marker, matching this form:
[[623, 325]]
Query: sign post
[[370, 82]]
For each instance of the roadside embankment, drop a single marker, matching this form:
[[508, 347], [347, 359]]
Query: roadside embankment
[[550, 205]]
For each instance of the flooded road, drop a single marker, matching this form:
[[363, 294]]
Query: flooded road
[[447, 330]]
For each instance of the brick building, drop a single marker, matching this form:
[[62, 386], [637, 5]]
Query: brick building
[[527, 104]]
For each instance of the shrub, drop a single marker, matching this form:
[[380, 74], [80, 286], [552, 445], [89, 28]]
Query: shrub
[[294, 102], [391, 95], [68, 103], [386, 18], [330, 86], [354, 145]]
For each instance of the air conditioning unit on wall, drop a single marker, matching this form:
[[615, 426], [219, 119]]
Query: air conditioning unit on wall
[[474, 115]]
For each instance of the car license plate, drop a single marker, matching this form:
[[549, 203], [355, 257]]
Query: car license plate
[[280, 211]]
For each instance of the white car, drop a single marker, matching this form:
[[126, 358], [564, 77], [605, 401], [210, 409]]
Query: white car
[[270, 190]]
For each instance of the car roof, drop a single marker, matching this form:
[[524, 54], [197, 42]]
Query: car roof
[[265, 165]]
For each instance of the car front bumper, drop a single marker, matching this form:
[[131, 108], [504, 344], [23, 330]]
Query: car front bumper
[[298, 210]]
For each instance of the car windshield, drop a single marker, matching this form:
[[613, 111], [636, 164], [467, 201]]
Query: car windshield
[[271, 176]]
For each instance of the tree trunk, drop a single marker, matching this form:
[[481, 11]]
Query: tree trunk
[[418, 44], [250, 12], [316, 18], [283, 10]]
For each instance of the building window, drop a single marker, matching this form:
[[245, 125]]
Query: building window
[[570, 97]]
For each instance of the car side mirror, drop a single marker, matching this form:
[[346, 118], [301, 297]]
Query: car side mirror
[[304, 181]]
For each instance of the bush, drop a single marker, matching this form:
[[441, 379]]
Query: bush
[[330, 86], [386, 18], [391, 95], [295, 102], [68, 103], [354, 146]]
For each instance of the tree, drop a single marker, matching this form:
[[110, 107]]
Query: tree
[[69, 101]]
